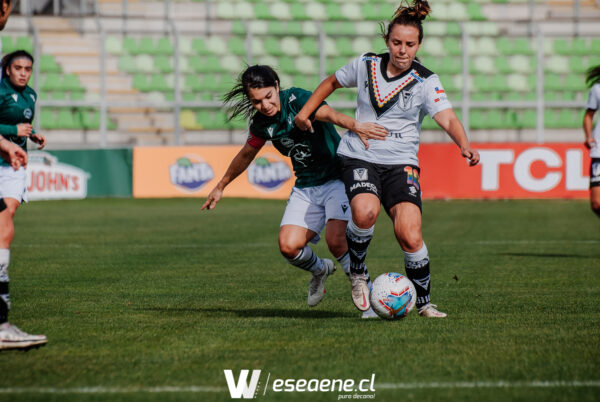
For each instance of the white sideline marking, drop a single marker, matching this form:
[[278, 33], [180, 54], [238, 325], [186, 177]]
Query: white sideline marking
[[206, 389], [490, 384]]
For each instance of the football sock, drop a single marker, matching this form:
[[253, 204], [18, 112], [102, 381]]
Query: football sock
[[307, 260], [344, 261], [417, 270], [4, 297], [358, 242]]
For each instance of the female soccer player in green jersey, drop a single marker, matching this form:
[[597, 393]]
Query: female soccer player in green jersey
[[318, 198], [17, 106], [592, 136]]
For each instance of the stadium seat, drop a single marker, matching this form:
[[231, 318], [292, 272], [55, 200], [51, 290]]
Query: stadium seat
[[292, 47], [164, 46], [298, 12], [279, 11], [113, 45], [163, 64], [48, 64], [24, 43], [272, 46], [237, 45], [146, 46]]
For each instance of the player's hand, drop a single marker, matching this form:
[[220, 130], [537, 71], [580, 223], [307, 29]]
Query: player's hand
[[38, 139], [471, 154], [589, 143], [212, 199], [370, 131], [303, 124], [24, 130], [13, 153]]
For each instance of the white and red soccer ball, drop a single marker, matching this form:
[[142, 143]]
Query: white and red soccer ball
[[393, 296]]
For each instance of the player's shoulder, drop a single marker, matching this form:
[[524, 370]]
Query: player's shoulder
[[31, 92], [421, 70], [293, 93], [596, 89]]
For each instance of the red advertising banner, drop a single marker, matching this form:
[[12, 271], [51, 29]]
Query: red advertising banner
[[505, 171]]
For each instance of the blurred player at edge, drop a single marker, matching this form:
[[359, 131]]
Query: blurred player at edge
[[317, 199], [17, 105], [9, 151], [396, 91], [592, 137]]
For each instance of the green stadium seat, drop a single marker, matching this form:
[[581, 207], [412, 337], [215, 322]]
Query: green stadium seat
[[71, 83], [67, 119], [216, 44], [577, 64], [276, 28], [296, 27], [199, 46], [474, 12], [553, 82], [308, 46], [501, 65], [262, 11], [146, 46], [494, 119], [287, 65], [7, 44], [164, 46], [48, 64], [298, 13], [51, 82], [130, 45], [477, 119], [272, 46], [140, 82], [522, 46], [574, 83], [238, 28], [579, 47], [237, 45], [526, 119], [332, 12], [144, 63], [192, 82], [48, 119], [452, 46], [595, 46], [24, 43], [561, 46], [90, 119], [453, 28], [163, 64]]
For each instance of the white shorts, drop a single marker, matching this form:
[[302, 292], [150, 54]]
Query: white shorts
[[312, 207], [13, 184]]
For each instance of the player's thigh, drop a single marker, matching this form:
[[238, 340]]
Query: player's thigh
[[363, 188], [595, 198], [595, 183], [13, 184], [407, 225], [7, 228], [304, 212]]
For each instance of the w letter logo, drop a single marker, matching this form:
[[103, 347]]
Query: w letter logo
[[242, 389]]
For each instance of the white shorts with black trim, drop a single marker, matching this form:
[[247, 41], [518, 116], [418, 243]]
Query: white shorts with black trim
[[312, 207], [13, 183]]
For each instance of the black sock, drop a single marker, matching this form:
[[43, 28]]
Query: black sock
[[358, 242]]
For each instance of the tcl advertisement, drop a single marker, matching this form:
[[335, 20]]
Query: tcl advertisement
[[506, 171]]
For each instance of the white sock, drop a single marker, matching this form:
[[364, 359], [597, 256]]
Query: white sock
[[4, 261], [308, 261], [344, 261]]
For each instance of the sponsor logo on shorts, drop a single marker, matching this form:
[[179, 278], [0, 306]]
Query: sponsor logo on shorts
[[268, 172], [413, 191], [190, 173], [596, 170], [361, 174], [344, 208], [370, 186]]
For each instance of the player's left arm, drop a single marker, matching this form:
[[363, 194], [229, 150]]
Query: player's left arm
[[365, 131], [450, 123], [588, 122]]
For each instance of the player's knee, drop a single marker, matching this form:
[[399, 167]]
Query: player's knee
[[411, 242], [6, 236], [365, 218], [337, 245], [288, 249]]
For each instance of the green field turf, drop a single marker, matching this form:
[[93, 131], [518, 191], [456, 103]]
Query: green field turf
[[139, 294]]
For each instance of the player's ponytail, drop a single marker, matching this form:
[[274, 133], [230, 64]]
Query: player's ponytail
[[237, 100], [593, 76], [408, 15]]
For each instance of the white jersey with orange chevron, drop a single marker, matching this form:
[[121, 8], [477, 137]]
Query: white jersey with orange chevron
[[593, 103], [398, 103]]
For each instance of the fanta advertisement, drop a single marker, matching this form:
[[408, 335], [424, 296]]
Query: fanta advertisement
[[48, 179], [190, 173], [195, 171], [268, 173]]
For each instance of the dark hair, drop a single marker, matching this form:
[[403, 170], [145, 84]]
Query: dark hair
[[592, 76], [406, 15], [257, 76], [8, 59]]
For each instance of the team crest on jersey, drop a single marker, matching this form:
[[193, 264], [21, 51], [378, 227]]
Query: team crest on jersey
[[287, 142], [15, 97], [405, 101], [301, 154], [361, 174], [28, 114], [382, 100]]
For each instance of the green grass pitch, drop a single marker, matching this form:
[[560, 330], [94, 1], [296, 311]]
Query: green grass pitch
[[139, 294]]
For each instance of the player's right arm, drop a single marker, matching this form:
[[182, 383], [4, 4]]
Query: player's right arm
[[588, 122], [12, 153], [325, 88], [237, 166]]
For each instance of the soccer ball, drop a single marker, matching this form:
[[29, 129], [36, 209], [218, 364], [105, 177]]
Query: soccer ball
[[393, 296]]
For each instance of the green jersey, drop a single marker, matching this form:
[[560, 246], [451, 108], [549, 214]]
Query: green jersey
[[16, 107], [313, 155]]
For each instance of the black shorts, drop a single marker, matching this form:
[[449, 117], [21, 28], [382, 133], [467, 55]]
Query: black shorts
[[392, 184], [595, 173]]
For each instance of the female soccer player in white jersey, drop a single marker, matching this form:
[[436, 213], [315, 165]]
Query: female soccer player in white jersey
[[318, 199], [396, 91], [592, 137], [17, 105]]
